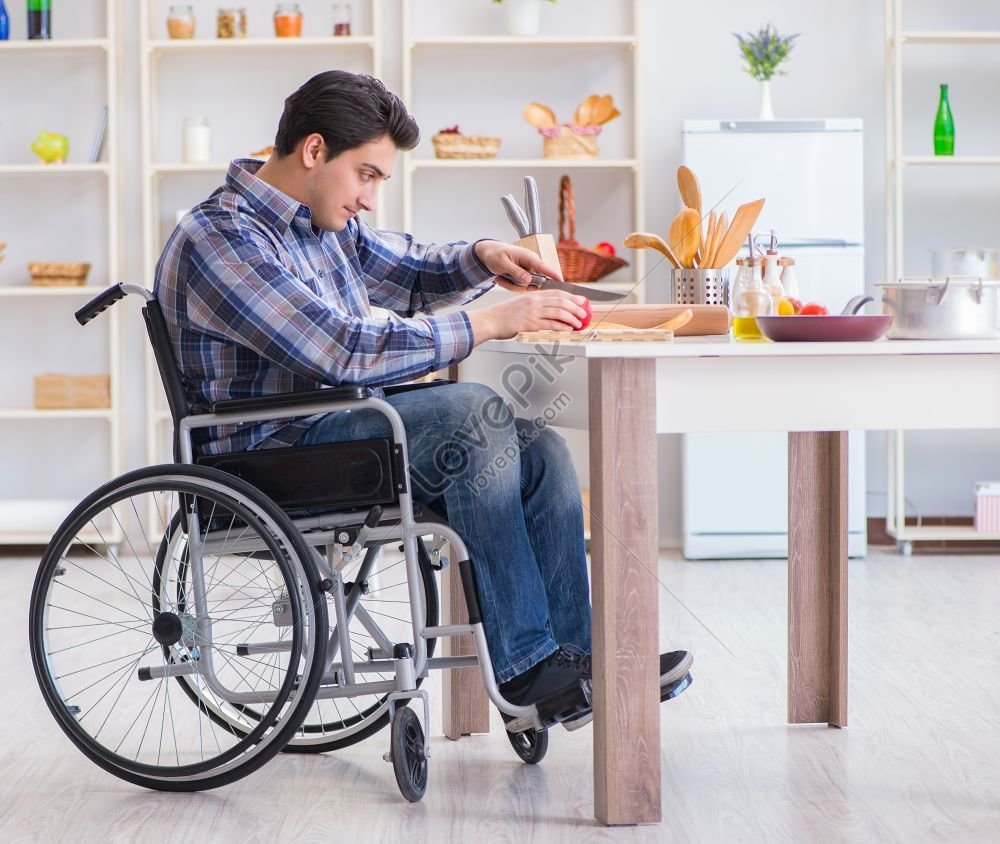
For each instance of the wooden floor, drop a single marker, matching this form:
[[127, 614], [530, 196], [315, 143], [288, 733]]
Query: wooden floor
[[920, 760]]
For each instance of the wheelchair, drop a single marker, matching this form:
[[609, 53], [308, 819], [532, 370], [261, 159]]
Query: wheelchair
[[189, 621]]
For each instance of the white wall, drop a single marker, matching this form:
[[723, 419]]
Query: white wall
[[692, 70]]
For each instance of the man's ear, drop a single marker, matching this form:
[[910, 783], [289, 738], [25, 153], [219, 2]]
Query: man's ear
[[313, 150]]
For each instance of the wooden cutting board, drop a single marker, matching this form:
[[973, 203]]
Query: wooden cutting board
[[708, 319]]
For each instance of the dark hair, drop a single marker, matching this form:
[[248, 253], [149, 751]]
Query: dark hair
[[348, 110]]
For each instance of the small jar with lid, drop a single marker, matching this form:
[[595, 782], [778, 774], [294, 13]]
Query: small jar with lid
[[180, 22], [749, 299], [288, 20], [231, 23], [342, 19], [789, 281]]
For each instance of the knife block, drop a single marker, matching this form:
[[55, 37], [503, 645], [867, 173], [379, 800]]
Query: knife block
[[544, 246]]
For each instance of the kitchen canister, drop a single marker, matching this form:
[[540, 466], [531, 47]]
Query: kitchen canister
[[942, 309], [978, 263], [700, 287], [197, 146]]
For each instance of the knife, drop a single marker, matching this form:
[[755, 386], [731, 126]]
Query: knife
[[515, 215], [546, 283], [532, 205]]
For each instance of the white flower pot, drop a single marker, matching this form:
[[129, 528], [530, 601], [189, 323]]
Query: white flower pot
[[522, 17], [766, 110]]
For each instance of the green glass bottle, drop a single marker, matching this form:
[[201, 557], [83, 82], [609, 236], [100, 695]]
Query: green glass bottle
[[944, 126]]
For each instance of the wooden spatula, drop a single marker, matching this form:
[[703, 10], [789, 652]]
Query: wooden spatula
[[540, 116], [706, 246], [685, 236], [721, 226], [690, 190], [744, 218], [643, 240]]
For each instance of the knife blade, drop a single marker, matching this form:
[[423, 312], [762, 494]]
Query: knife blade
[[515, 215], [546, 283], [532, 205]]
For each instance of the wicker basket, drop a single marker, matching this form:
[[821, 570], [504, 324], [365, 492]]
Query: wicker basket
[[569, 144], [453, 145], [49, 274], [578, 262]]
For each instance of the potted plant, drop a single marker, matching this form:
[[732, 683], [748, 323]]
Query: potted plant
[[523, 17], [764, 52]]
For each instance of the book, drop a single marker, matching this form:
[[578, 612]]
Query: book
[[102, 130]]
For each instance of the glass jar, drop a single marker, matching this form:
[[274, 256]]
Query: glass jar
[[180, 22], [341, 18], [288, 20], [231, 23], [749, 300]]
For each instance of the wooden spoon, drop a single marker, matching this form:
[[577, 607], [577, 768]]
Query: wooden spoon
[[584, 114], [706, 245], [602, 111], [690, 190], [721, 225], [540, 116], [643, 240], [685, 236], [744, 218]]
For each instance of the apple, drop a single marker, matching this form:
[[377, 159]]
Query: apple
[[814, 309], [588, 315], [796, 303], [605, 247]]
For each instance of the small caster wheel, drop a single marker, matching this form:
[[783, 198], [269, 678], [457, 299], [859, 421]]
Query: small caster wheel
[[409, 762], [530, 745], [905, 547]]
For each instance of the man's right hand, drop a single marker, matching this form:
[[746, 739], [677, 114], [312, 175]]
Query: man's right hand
[[533, 310]]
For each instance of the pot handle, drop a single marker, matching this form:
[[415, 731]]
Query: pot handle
[[979, 286]]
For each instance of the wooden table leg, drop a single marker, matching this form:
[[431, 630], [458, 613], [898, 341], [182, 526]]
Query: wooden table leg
[[623, 547], [817, 578], [465, 706]]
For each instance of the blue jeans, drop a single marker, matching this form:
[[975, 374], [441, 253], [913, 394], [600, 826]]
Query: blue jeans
[[508, 487]]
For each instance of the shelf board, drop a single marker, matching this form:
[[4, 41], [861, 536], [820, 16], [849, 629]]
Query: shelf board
[[11, 413], [526, 41], [950, 37], [950, 160], [54, 169], [172, 167], [187, 45], [41, 290], [943, 532], [54, 45], [523, 163]]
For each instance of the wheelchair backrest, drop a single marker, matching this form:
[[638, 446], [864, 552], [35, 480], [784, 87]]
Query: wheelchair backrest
[[180, 399]]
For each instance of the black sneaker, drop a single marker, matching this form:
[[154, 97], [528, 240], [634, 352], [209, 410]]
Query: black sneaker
[[675, 677], [559, 685]]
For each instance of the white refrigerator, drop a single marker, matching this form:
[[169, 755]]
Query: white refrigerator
[[811, 175]]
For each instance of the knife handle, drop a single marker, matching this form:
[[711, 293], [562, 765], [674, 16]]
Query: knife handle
[[532, 206], [515, 215]]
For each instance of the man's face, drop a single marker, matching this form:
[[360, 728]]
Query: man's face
[[341, 187]]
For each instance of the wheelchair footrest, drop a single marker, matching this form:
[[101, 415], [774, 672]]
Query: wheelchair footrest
[[562, 705]]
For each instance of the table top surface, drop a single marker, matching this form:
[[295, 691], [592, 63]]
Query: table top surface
[[725, 346]]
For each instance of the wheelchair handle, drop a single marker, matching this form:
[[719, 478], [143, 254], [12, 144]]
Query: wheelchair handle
[[105, 300]]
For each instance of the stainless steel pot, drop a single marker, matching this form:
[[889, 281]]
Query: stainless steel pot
[[978, 263], [957, 308]]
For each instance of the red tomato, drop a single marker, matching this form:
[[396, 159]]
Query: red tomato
[[795, 304], [814, 309], [589, 315], [605, 247]]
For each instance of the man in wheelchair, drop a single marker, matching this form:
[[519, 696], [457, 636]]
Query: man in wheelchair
[[268, 287]]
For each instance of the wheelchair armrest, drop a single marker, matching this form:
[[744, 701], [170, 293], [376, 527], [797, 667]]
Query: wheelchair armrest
[[276, 402], [405, 388]]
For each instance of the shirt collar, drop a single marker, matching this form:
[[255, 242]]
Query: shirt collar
[[276, 208]]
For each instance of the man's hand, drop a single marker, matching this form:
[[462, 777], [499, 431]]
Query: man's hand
[[542, 310], [505, 259]]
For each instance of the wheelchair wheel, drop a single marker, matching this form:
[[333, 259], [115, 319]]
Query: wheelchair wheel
[[530, 745], [107, 647], [330, 723], [409, 759]]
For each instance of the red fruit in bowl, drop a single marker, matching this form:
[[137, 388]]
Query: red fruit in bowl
[[589, 315], [605, 247], [796, 304], [814, 309]]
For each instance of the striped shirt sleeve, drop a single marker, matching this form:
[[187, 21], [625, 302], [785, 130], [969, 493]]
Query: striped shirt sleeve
[[241, 292]]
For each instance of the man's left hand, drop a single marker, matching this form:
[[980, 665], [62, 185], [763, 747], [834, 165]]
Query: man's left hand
[[505, 259]]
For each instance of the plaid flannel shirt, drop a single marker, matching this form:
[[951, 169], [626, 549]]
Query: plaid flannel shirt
[[259, 301]]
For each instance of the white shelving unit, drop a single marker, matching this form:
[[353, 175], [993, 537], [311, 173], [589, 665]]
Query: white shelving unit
[[31, 520], [494, 53], [897, 164], [257, 58]]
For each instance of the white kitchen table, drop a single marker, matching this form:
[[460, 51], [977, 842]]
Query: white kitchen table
[[627, 393]]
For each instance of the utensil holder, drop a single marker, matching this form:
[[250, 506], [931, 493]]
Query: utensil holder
[[700, 287]]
